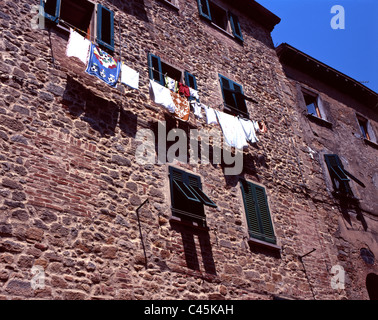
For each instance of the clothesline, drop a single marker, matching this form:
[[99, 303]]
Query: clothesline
[[84, 33]]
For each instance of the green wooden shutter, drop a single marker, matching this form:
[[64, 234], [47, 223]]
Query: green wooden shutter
[[204, 9], [105, 27], [239, 98], [155, 69], [339, 178], [190, 80], [227, 89], [257, 211], [235, 26], [51, 9]]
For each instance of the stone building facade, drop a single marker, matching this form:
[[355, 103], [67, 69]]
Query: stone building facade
[[79, 209]]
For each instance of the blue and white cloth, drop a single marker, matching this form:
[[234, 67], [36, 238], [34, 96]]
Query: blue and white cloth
[[103, 66]]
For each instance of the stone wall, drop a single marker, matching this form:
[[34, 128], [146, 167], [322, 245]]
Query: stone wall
[[70, 183]]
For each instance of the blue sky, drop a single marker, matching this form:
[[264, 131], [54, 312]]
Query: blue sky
[[306, 25]]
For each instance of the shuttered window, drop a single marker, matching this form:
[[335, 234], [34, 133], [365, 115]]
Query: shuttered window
[[233, 97], [338, 176], [81, 15], [187, 196], [215, 14], [257, 211], [190, 80]]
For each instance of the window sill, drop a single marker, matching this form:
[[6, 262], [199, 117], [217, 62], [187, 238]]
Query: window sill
[[260, 243], [319, 121], [371, 143]]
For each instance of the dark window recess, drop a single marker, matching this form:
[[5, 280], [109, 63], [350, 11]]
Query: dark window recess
[[257, 212], [218, 16], [81, 15], [363, 123], [367, 256], [312, 105], [187, 196], [233, 97]]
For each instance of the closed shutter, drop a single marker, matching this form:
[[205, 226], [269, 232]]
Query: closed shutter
[[257, 212], [105, 27]]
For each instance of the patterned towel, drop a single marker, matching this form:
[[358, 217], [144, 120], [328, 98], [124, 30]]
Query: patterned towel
[[103, 66], [182, 109]]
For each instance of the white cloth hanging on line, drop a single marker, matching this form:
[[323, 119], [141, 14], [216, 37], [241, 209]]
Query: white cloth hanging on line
[[162, 95], [232, 129], [129, 76], [250, 128], [78, 46], [211, 117]]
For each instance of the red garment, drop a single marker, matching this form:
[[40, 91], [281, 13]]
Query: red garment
[[184, 90]]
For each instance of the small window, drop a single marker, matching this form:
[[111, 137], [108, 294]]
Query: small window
[[81, 15], [312, 105], [257, 212], [187, 197], [233, 97], [220, 17], [363, 123]]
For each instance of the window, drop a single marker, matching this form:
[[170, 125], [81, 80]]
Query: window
[[363, 127], [340, 180], [312, 105], [83, 15], [187, 196], [158, 70], [233, 97], [257, 212], [220, 17]]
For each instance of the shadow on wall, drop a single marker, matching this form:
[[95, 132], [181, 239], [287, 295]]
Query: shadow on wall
[[190, 251], [102, 115]]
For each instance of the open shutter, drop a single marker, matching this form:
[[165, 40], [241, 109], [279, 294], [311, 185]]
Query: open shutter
[[204, 9], [105, 27], [235, 26], [51, 9], [195, 185], [190, 80], [227, 92], [155, 69], [339, 179], [257, 211]]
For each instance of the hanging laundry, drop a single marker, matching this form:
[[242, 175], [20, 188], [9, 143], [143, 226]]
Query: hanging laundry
[[194, 94], [78, 46], [211, 117], [184, 90], [103, 66], [171, 84], [197, 108], [129, 76], [250, 128], [182, 110], [262, 127], [232, 130], [162, 95]]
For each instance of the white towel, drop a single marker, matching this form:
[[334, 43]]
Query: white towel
[[232, 130], [197, 108], [129, 76], [78, 46], [211, 117], [162, 95], [250, 128]]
